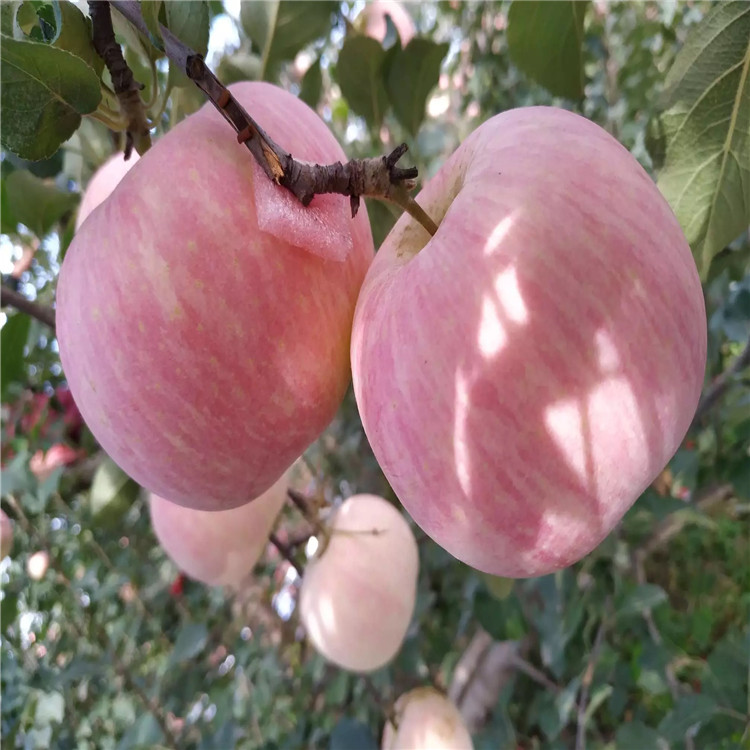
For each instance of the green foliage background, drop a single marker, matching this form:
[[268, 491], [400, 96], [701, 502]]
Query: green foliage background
[[111, 649]]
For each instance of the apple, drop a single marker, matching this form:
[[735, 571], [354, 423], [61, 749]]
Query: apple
[[526, 373], [373, 20], [6, 535], [37, 564], [358, 594], [219, 548], [102, 183], [426, 720], [204, 314]]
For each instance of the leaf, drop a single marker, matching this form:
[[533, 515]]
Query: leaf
[[74, 35], [358, 73], [312, 85], [279, 29], [348, 734], [706, 130], [499, 587], [545, 40], [189, 22], [145, 733], [12, 365], [37, 203], [113, 493], [44, 93], [191, 640], [151, 10], [635, 735], [50, 708], [641, 598], [687, 712], [241, 66], [412, 74], [8, 608]]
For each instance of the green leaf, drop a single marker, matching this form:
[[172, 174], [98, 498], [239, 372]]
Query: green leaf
[[545, 40], [37, 203], [241, 66], [359, 75], [635, 735], [113, 493], [50, 709], [8, 608], [688, 711], [279, 29], [8, 17], [348, 734], [145, 733], [412, 74], [641, 598], [74, 34], [191, 640], [189, 22], [12, 365], [706, 130], [151, 10], [44, 93], [499, 587], [312, 85]]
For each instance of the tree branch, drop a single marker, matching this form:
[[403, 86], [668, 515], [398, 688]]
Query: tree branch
[[721, 384], [126, 87], [286, 553], [377, 177], [588, 677], [12, 298]]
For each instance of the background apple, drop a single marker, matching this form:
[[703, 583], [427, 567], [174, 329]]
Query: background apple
[[526, 373], [37, 564], [358, 595], [204, 315], [102, 183], [6, 535], [426, 720], [372, 20], [219, 548]]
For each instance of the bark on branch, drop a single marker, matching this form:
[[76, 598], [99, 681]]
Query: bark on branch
[[126, 87], [12, 298], [377, 177]]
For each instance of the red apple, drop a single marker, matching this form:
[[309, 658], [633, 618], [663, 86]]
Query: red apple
[[204, 315], [526, 373], [102, 183], [6, 535], [219, 548], [358, 595], [426, 720]]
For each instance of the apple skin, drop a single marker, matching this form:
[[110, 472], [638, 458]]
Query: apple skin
[[102, 183], [427, 720], [204, 315], [526, 373], [218, 548], [6, 535], [357, 597]]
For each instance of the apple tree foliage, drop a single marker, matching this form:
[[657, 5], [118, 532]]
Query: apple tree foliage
[[643, 644]]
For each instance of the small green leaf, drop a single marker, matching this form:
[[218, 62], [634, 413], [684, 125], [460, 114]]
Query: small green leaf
[[688, 711], [279, 29], [499, 587], [113, 493], [706, 129], [635, 735], [641, 598], [189, 22], [37, 203], [152, 10], [44, 93], [545, 40], [312, 85], [74, 34], [412, 74], [191, 640], [359, 75], [12, 364], [241, 66]]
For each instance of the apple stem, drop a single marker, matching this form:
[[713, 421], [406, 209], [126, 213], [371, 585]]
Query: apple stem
[[377, 177], [126, 87], [286, 552]]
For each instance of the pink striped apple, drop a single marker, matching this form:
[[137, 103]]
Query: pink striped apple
[[204, 315], [523, 375], [102, 183], [358, 594], [219, 548]]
